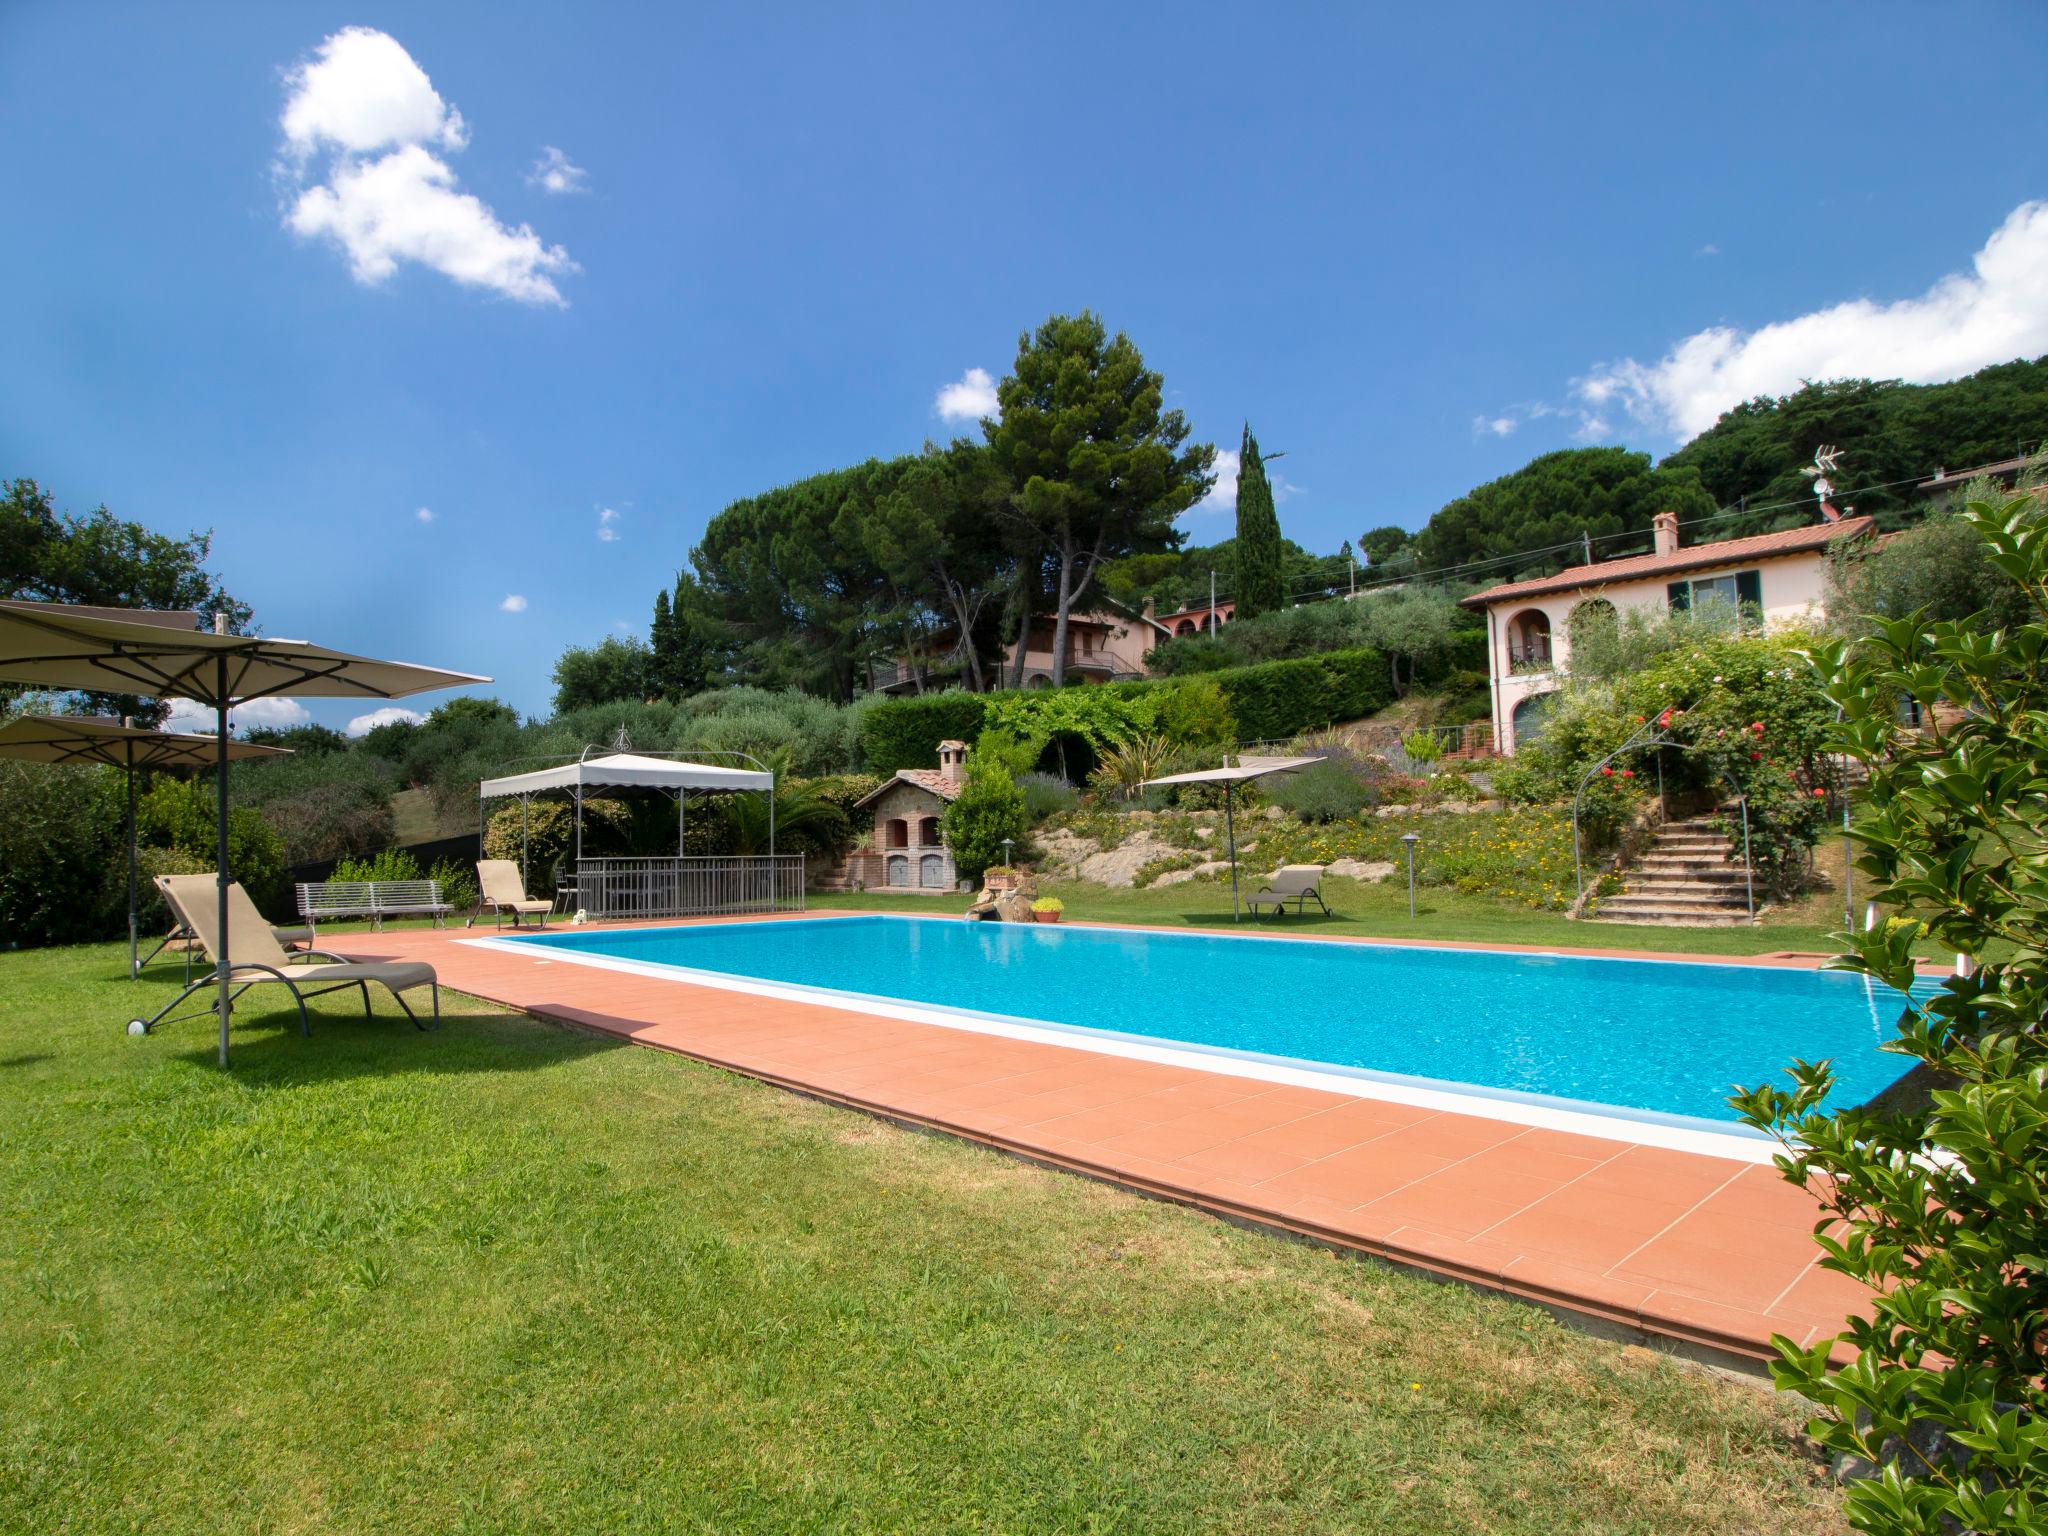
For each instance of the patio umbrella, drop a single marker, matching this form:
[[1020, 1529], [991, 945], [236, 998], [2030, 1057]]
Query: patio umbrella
[[60, 645], [116, 744], [1247, 769]]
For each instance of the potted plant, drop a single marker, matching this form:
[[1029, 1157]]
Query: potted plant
[[1047, 909], [999, 877]]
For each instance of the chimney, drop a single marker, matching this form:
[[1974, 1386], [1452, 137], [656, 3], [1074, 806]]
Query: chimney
[[1151, 609], [1664, 529], [952, 762]]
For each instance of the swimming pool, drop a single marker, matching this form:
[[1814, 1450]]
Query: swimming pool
[[1646, 1039]]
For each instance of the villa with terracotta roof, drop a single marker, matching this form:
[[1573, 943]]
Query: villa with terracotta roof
[[1780, 576]]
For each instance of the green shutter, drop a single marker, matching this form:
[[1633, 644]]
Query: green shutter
[[1679, 594], [1749, 594]]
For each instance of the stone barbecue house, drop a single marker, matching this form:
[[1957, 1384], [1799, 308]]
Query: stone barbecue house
[[910, 853]]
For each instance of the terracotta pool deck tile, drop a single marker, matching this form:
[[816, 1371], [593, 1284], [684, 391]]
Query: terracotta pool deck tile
[[1240, 1162], [1322, 1133], [1361, 1174], [1696, 1247], [1167, 1143], [1741, 1277]]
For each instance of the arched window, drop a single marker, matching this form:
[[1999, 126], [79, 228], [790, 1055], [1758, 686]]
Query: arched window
[[1531, 715], [928, 832], [1529, 641], [1038, 680], [899, 832], [1185, 628]]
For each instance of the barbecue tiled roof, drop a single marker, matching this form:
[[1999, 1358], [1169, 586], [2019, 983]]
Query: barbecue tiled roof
[[1761, 546], [924, 778]]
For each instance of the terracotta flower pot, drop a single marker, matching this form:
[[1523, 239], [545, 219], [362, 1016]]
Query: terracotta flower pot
[[1047, 917]]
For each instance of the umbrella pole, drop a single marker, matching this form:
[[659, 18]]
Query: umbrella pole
[[220, 879], [1230, 822], [134, 965]]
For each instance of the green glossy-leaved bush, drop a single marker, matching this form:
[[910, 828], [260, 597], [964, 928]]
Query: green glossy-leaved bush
[[1940, 1200]]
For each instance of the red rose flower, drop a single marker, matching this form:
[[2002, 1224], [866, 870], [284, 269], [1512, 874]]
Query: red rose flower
[[1628, 773]]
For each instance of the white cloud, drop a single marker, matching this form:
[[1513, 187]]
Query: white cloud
[[1499, 426], [425, 514], [383, 196], [555, 173], [513, 603], [1222, 495], [1995, 312], [361, 91], [390, 714], [607, 525], [1708, 250], [404, 207], [189, 715], [968, 398]]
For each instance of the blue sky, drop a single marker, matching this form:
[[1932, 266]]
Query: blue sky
[[296, 284]]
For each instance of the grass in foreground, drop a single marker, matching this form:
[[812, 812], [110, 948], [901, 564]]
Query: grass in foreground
[[510, 1277]]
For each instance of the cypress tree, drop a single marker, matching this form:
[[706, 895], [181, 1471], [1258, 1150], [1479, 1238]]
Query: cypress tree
[[661, 644], [1261, 584]]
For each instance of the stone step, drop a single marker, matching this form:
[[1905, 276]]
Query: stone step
[[1677, 862], [1690, 840], [1655, 919], [1665, 901]]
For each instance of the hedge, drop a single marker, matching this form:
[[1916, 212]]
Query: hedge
[[1277, 699], [905, 733], [1270, 701]]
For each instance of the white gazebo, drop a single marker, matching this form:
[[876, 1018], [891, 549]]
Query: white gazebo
[[655, 887]]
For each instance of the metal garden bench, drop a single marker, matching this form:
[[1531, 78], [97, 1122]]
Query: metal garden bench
[[374, 899]]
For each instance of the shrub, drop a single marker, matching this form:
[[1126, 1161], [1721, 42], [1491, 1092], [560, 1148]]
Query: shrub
[[989, 809], [1046, 794], [184, 816], [62, 869], [1331, 791], [1938, 1199], [905, 733], [551, 836], [391, 864], [457, 878], [1195, 713], [1048, 904], [1122, 773], [1283, 698]]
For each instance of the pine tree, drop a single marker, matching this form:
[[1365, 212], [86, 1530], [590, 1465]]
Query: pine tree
[[1260, 587], [661, 642]]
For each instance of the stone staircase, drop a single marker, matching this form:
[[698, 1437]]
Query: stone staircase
[[1683, 880]]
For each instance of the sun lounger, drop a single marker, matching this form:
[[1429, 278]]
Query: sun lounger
[[1298, 883], [255, 957], [186, 941], [501, 889]]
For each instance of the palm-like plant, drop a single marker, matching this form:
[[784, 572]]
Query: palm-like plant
[[802, 814]]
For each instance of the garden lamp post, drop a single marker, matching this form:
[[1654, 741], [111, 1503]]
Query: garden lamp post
[[1006, 854], [1409, 840]]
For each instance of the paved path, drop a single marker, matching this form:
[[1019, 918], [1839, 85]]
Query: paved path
[[1712, 1253]]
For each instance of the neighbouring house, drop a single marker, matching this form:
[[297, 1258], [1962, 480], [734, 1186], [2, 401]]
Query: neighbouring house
[[1183, 622], [1104, 645], [1776, 578], [910, 852]]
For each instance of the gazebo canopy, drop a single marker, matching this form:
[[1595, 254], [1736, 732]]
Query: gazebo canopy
[[625, 771]]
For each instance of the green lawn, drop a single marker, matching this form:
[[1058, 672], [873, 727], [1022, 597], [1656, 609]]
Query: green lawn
[[509, 1277]]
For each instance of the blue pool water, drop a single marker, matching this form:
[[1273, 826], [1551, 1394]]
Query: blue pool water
[[1639, 1036]]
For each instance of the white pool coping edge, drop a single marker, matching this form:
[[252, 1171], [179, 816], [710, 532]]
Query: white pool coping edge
[[1730, 1145]]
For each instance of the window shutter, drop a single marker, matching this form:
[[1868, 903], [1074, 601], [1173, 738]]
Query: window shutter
[[1679, 594], [1749, 593]]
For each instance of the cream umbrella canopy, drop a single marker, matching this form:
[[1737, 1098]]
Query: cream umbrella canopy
[[58, 645], [116, 744], [1246, 769]]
